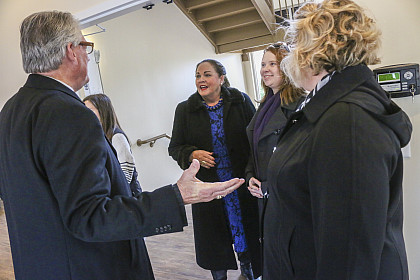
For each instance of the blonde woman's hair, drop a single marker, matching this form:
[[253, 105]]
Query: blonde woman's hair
[[330, 36]]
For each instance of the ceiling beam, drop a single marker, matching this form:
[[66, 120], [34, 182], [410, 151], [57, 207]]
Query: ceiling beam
[[252, 44], [267, 13], [234, 21], [241, 33], [198, 4], [244, 44], [225, 9]]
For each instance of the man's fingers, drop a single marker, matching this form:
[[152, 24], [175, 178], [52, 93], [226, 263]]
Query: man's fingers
[[189, 174], [229, 186], [194, 167]]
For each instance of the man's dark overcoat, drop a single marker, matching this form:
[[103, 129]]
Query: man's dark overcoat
[[69, 209]]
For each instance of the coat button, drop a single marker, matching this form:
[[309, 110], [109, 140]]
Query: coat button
[[157, 230]]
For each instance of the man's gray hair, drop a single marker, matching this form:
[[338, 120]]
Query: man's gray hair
[[44, 37]]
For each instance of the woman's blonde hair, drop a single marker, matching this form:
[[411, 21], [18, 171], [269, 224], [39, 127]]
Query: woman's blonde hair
[[330, 35], [288, 92]]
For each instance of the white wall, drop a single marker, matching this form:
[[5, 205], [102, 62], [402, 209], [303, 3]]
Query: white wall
[[148, 60]]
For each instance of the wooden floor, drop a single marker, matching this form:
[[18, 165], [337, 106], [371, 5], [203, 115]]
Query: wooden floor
[[172, 255]]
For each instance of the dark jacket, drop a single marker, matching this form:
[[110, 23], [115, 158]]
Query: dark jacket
[[267, 141], [69, 209], [335, 182], [192, 131]]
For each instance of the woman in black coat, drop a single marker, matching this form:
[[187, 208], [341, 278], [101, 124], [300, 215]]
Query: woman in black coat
[[280, 101], [335, 180], [210, 126]]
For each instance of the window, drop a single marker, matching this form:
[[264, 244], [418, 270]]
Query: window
[[256, 58]]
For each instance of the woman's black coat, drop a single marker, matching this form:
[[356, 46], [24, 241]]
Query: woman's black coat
[[335, 181], [191, 131], [266, 145], [267, 140]]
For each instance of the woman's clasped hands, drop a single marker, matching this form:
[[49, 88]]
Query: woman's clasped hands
[[205, 158]]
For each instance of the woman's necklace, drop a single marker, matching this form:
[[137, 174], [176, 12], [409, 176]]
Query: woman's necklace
[[214, 107]]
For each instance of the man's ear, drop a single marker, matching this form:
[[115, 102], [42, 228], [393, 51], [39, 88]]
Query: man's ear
[[70, 54]]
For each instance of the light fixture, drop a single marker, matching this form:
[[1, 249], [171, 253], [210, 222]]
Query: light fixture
[[148, 6]]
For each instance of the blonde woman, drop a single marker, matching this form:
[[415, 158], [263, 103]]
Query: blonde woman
[[335, 179]]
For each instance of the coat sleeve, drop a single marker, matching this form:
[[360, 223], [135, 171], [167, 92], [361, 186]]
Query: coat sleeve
[[249, 169], [351, 160], [88, 185], [179, 149]]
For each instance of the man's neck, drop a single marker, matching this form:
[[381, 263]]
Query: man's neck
[[59, 76], [55, 77]]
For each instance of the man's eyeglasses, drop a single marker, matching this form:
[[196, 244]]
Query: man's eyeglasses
[[88, 45], [281, 45]]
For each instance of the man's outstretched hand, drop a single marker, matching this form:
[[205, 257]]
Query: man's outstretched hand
[[195, 191]]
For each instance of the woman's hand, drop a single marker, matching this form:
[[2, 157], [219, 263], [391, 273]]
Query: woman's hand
[[205, 158], [254, 187]]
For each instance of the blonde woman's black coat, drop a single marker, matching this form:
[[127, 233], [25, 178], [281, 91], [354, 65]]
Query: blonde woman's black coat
[[192, 131], [335, 209]]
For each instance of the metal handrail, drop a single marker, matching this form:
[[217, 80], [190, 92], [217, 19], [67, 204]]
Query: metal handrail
[[152, 140]]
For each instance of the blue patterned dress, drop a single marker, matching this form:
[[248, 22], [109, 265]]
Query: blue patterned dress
[[225, 173]]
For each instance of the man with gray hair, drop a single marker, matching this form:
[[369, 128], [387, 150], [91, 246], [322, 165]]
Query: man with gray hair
[[69, 209]]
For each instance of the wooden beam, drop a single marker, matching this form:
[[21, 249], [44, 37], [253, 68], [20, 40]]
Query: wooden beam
[[242, 33], [224, 9], [245, 44], [267, 14], [253, 44], [235, 21], [198, 4]]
